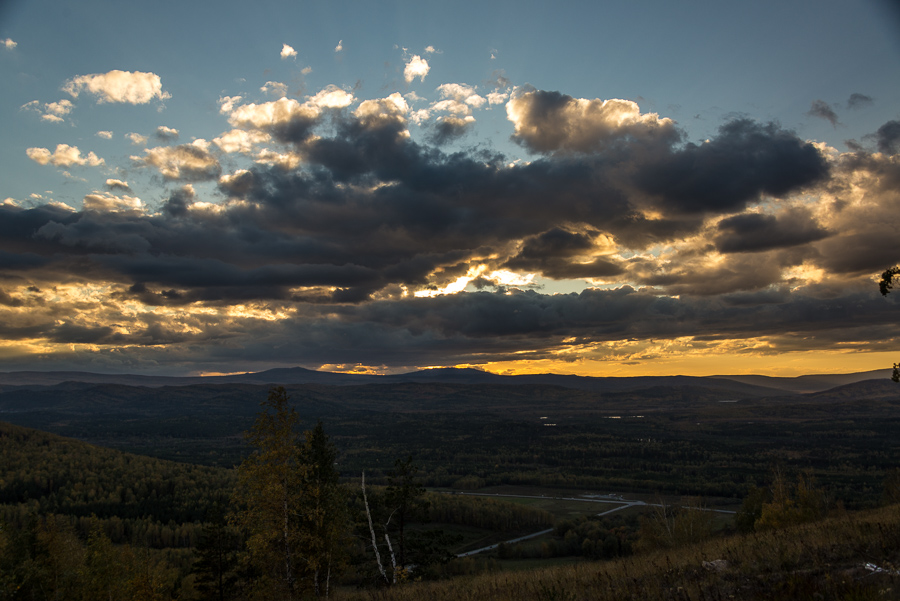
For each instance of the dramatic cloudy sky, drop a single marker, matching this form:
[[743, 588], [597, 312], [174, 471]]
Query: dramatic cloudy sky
[[587, 187]]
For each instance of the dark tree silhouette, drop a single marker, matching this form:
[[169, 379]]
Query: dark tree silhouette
[[885, 285]]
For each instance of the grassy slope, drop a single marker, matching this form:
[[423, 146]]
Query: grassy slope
[[824, 560]]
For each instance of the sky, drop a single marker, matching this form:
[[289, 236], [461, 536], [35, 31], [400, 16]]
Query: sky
[[593, 188]]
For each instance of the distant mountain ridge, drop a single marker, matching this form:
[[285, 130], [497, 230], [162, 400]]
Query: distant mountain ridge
[[748, 385]]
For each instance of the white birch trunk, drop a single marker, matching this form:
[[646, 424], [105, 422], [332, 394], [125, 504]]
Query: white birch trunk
[[372, 530]]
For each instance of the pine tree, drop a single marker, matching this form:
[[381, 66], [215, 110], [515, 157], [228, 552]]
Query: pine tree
[[325, 511], [291, 507], [268, 495], [217, 560]]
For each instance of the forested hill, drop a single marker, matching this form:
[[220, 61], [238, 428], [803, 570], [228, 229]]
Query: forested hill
[[744, 385], [133, 495]]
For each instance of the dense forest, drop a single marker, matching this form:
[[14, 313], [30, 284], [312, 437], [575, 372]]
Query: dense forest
[[674, 440], [344, 505]]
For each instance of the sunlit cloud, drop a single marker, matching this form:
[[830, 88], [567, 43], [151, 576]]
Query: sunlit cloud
[[189, 162], [54, 112], [118, 86], [240, 140], [332, 97], [63, 156], [136, 139], [287, 52], [227, 103], [8, 43], [105, 134], [270, 87], [167, 134], [102, 201], [117, 184], [415, 67]]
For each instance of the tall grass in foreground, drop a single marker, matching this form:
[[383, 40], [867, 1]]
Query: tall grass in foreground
[[822, 560]]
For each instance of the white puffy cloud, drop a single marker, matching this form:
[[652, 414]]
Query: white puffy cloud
[[117, 184], [9, 44], [63, 156], [119, 86], [420, 116], [274, 88], [459, 99], [188, 162], [105, 134], [271, 114], [340, 46], [136, 139], [430, 50], [306, 70], [497, 97], [332, 97], [227, 103], [240, 140], [287, 52], [394, 105], [416, 67], [277, 115], [166, 133], [110, 203], [51, 111]]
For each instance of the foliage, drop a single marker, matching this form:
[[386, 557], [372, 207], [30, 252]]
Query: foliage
[[803, 502], [666, 526], [887, 280], [822, 560], [217, 561], [289, 504], [752, 507], [46, 560]]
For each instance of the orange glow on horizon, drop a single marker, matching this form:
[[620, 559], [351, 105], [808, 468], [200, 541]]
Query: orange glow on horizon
[[786, 365]]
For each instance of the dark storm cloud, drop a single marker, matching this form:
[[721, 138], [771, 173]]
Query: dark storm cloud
[[524, 318], [177, 204], [866, 187], [20, 261], [733, 169], [362, 146], [888, 137], [214, 274], [556, 243], [68, 333], [550, 254], [306, 228], [822, 110], [857, 100], [449, 129], [756, 232]]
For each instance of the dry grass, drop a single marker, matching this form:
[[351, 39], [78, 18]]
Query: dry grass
[[824, 560]]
